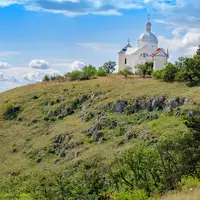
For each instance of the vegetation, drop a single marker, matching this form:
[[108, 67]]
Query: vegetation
[[108, 138], [101, 72], [126, 72], [88, 72], [184, 70], [145, 69], [109, 67]]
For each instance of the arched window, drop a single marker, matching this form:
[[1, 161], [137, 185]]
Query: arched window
[[144, 55], [125, 62]]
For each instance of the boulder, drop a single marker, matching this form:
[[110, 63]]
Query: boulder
[[58, 139], [174, 103], [95, 127], [96, 136], [62, 153], [191, 113], [120, 106]]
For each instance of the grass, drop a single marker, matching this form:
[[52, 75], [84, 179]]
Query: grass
[[190, 194], [22, 143]]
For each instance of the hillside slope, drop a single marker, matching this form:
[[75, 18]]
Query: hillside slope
[[50, 125]]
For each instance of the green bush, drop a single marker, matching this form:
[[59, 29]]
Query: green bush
[[73, 76], [89, 71], [11, 111], [169, 73], [101, 72], [123, 196], [136, 195], [189, 183], [186, 69], [158, 74], [46, 78], [145, 69], [126, 72]]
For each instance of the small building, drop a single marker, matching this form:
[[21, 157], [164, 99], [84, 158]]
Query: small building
[[160, 58], [146, 51]]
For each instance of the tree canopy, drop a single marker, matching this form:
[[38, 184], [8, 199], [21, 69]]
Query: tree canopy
[[109, 67]]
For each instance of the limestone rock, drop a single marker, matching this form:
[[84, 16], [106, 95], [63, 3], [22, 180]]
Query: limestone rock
[[120, 106]]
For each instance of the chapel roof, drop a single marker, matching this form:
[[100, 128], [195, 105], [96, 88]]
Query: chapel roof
[[148, 37], [123, 51], [160, 50]]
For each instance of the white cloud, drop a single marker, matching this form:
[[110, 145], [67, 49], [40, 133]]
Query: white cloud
[[77, 65], [17, 76], [78, 7], [185, 45], [182, 16], [4, 3], [3, 77], [36, 76], [39, 64], [4, 65], [68, 65], [9, 53]]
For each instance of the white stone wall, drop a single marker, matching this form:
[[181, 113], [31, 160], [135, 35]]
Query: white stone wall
[[136, 58], [159, 62], [121, 61]]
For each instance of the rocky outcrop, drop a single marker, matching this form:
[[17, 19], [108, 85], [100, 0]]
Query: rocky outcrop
[[65, 109], [119, 106], [101, 123], [157, 103]]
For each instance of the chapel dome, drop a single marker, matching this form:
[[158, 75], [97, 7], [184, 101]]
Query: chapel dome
[[148, 37]]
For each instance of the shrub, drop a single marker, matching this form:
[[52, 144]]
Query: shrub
[[188, 183], [158, 74], [145, 69], [35, 97], [186, 69], [123, 196], [73, 76], [101, 72], [89, 71], [46, 78], [125, 72], [11, 111], [169, 73]]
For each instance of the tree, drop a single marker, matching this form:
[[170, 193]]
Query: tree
[[101, 72], [125, 72], [145, 69], [170, 72], [158, 74], [46, 78], [74, 75], [89, 70], [109, 67], [192, 68]]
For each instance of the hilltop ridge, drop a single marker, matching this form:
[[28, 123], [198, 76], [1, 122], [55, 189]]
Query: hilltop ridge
[[52, 125]]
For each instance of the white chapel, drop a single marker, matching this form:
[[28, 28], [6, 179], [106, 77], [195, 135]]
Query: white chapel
[[147, 51]]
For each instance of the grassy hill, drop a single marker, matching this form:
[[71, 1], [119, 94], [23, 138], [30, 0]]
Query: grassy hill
[[58, 124]]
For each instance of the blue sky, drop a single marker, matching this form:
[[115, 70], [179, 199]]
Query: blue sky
[[68, 33]]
